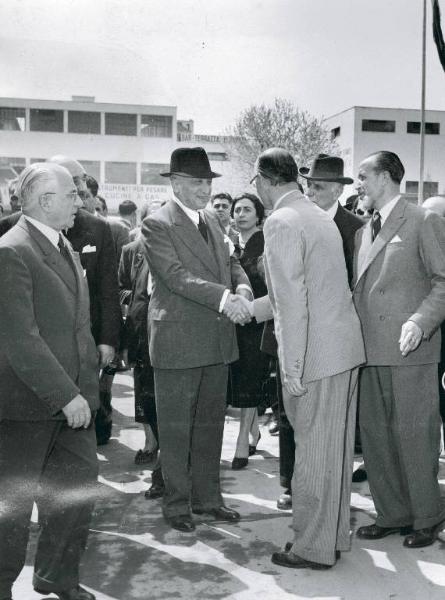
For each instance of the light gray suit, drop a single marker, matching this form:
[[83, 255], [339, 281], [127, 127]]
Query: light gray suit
[[400, 277], [319, 340]]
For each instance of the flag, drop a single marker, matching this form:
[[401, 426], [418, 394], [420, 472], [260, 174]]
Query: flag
[[437, 33]]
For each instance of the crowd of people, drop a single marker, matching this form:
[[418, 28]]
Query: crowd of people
[[208, 300]]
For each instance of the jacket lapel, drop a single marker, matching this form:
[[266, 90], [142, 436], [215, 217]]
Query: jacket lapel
[[52, 256], [189, 234], [368, 250]]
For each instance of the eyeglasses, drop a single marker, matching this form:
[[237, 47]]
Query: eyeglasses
[[71, 195], [224, 206], [254, 177]]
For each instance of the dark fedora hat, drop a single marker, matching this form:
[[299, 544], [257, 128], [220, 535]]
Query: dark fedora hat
[[326, 168], [190, 162]]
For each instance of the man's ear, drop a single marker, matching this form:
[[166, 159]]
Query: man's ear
[[46, 202]]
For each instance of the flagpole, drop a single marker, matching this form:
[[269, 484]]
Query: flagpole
[[422, 110]]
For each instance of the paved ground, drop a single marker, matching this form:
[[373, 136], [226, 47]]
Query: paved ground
[[132, 555]]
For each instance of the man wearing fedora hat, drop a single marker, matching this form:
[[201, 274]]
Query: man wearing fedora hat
[[191, 338]]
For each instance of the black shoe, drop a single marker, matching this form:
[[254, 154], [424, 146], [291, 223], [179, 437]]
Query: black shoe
[[155, 491], [222, 513], [288, 548], [420, 538], [239, 463], [286, 559], [359, 475], [375, 532], [284, 502], [182, 523], [77, 593], [252, 449], [274, 428]]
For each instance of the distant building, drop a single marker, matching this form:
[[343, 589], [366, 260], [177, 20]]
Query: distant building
[[123, 146], [361, 130]]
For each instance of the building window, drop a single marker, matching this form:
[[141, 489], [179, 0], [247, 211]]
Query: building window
[[34, 160], [430, 188], [430, 128], [92, 167], [12, 119], [81, 121], [156, 126], [335, 133], [10, 168], [120, 172], [378, 125], [150, 173], [46, 120], [120, 124]]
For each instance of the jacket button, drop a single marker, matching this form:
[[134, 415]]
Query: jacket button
[[218, 318], [382, 318], [382, 292]]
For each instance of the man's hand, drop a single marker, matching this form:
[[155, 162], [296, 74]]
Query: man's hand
[[294, 386], [410, 337], [237, 309], [106, 355], [77, 412]]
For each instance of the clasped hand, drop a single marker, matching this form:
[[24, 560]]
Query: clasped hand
[[238, 309], [77, 412]]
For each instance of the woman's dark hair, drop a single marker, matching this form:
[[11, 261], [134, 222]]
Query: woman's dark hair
[[259, 208]]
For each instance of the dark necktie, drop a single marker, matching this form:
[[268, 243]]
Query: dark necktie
[[64, 250], [376, 224], [203, 228]]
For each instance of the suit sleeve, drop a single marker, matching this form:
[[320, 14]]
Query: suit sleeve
[[286, 279], [108, 291], [26, 351], [431, 312], [124, 276], [165, 264]]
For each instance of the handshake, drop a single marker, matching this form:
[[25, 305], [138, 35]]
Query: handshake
[[238, 309]]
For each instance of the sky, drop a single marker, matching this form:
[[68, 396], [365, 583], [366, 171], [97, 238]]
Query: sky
[[215, 58]]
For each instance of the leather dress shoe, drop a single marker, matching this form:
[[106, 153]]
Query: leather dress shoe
[[288, 548], [182, 523], [359, 475], [420, 538], [154, 491], [252, 449], [375, 532], [77, 593], [287, 559], [222, 513], [239, 463], [284, 502]]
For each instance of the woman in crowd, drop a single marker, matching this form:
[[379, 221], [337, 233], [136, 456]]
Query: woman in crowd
[[249, 372]]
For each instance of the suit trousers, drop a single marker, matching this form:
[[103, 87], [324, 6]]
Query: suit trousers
[[191, 405], [400, 428], [324, 424], [286, 439], [55, 466]]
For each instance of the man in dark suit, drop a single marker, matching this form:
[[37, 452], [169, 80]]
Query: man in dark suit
[[48, 389], [91, 237], [191, 339], [399, 293]]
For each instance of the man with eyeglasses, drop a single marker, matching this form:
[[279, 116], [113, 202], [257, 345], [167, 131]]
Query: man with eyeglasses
[[221, 204], [48, 389]]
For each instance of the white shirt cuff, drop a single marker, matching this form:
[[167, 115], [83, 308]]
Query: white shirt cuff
[[244, 286], [223, 300]]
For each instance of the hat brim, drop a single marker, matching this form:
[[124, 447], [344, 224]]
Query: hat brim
[[210, 175], [345, 180]]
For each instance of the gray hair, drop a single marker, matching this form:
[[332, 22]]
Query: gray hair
[[33, 178]]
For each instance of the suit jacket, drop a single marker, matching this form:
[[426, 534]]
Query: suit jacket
[[133, 280], [348, 224], [91, 237], [47, 352], [189, 275], [121, 236], [316, 326], [400, 277]]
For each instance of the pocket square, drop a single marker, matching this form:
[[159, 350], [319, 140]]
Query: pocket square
[[395, 239], [88, 248]]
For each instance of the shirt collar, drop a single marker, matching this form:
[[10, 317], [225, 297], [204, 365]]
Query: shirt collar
[[386, 210], [285, 195], [51, 234], [193, 215], [332, 211]]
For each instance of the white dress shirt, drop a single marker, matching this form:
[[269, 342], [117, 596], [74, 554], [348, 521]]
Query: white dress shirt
[[386, 210], [51, 234]]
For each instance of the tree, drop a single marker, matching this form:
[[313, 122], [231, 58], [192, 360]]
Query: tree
[[283, 125]]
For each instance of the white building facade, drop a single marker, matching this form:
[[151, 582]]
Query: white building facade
[[361, 130]]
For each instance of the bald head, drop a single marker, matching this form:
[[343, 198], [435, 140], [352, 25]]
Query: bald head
[[435, 204], [77, 173]]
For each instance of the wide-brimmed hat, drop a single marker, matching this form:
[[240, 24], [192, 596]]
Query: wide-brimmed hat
[[190, 162], [326, 168]]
